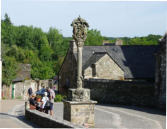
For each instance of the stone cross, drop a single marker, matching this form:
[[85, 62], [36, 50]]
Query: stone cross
[[80, 27]]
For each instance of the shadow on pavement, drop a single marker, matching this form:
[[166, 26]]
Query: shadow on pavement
[[142, 109], [21, 118]]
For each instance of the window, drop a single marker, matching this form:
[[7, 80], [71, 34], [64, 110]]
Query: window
[[93, 70]]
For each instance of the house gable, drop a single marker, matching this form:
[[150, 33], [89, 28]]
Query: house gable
[[104, 67]]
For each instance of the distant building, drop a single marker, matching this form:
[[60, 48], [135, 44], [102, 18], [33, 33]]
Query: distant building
[[19, 87], [118, 42]]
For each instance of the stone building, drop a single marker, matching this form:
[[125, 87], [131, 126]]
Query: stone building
[[22, 82], [108, 62], [108, 43], [160, 76], [19, 87], [119, 42]]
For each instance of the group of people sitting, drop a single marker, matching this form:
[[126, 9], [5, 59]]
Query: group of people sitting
[[45, 104]]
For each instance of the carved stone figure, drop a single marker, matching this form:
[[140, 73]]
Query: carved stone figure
[[80, 27]]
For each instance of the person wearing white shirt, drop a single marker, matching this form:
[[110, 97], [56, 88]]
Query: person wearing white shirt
[[44, 100]]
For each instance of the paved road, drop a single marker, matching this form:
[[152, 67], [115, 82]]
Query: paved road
[[12, 115], [123, 117], [12, 112]]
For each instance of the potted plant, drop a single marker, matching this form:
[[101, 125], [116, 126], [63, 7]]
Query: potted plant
[[38, 98]]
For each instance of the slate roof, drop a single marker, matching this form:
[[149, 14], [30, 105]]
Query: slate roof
[[137, 61], [23, 72], [93, 59]]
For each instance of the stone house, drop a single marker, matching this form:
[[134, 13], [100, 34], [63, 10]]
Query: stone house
[[19, 87], [23, 82], [160, 76], [114, 62], [16, 89]]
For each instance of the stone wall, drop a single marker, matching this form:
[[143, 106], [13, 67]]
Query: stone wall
[[45, 83], [6, 92], [44, 120], [160, 76], [67, 73], [140, 93], [106, 68], [21, 88], [80, 113]]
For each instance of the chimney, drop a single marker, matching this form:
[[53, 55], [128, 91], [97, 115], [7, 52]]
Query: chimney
[[119, 42], [73, 46]]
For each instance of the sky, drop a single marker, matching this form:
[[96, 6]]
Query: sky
[[111, 18]]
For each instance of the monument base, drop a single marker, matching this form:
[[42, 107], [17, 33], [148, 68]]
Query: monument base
[[80, 113]]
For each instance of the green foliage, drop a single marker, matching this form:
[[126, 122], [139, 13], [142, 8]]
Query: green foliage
[[26, 44], [16, 52], [7, 19], [94, 38], [39, 97], [3, 98], [147, 40], [59, 98], [46, 51], [9, 70]]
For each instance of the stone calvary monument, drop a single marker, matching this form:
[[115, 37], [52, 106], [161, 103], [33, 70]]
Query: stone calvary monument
[[78, 108]]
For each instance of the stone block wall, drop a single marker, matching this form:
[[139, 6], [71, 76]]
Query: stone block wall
[[139, 93], [46, 121], [80, 113], [106, 68], [68, 73], [160, 76], [21, 88], [6, 92]]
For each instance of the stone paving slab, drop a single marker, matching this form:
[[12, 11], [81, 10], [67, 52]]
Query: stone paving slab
[[12, 114]]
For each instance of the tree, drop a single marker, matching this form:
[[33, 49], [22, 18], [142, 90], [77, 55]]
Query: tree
[[42, 70], [7, 31], [9, 70], [45, 52], [94, 38], [7, 19], [55, 40]]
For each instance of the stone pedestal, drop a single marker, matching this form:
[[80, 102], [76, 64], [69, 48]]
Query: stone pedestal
[[80, 113]]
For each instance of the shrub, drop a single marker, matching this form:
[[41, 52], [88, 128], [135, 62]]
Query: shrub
[[3, 98], [59, 98]]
